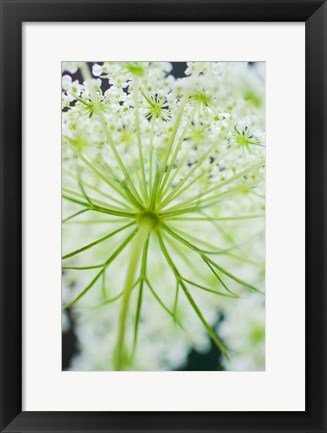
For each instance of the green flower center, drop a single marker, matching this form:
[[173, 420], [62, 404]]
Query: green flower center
[[149, 217]]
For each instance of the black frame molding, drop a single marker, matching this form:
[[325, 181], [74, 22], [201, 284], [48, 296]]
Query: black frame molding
[[15, 12]]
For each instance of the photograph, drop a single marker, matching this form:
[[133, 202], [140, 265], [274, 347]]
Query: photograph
[[163, 216]]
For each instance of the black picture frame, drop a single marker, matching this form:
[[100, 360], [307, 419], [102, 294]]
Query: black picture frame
[[16, 12]]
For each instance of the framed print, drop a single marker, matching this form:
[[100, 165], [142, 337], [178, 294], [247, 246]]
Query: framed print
[[163, 216]]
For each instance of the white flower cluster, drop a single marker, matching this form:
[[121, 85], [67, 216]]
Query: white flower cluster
[[163, 213]]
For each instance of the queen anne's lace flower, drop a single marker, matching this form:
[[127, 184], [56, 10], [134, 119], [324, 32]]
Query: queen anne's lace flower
[[163, 213]]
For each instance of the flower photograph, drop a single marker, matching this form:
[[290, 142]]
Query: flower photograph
[[163, 216]]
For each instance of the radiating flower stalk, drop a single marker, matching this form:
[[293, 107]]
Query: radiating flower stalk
[[163, 196]]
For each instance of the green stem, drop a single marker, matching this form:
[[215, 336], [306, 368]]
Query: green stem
[[227, 218], [215, 187], [98, 241], [136, 249], [162, 166], [108, 196], [177, 149], [194, 305], [65, 220], [170, 181], [174, 194], [93, 167], [98, 221], [153, 120], [214, 249], [87, 76], [171, 313], [140, 296], [178, 192], [143, 185], [99, 208], [104, 267], [210, 263], [94, 201]]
